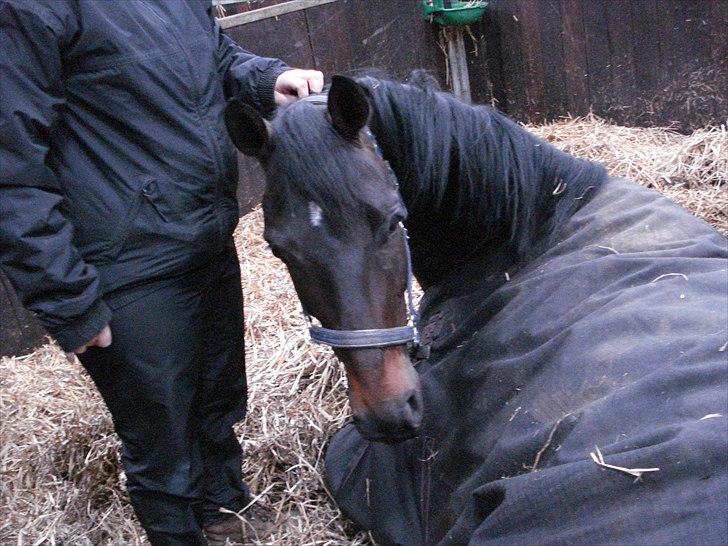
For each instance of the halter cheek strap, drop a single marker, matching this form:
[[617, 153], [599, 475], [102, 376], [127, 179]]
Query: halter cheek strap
[[374, 337]]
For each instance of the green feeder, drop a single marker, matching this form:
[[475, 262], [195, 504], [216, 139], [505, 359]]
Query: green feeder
[[453, 15], [454, 12]]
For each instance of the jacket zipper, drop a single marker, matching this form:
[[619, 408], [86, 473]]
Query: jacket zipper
[[212, 141], [152, 202], [131, 213]]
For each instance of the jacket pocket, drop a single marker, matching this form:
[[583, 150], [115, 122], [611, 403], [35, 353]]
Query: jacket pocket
[[171, 203], [127, 221], [164, 215]]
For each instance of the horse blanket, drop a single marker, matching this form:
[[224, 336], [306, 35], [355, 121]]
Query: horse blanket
[[612, 342]]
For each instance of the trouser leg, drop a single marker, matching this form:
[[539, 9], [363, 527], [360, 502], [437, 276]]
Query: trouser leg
[[174, 392], [223, 394]]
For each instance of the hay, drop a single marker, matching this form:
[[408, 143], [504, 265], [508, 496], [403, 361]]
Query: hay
[[690, 169], [598, 458], [59, 459], [61, 482]]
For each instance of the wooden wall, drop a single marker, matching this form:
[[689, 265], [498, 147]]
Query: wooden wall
[[638, 62]]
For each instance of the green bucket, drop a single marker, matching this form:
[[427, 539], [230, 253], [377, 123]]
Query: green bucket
[[454, 12]]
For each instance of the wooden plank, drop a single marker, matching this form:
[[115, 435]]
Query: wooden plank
[[621, 105], [554, 101], [353, 35], [503, 14], [531, 48], [625, 58], [485, 63], [646, 47], [598, 55], [238, 6], [716, 25], [458, 63], [270, 11], [682, 33], [670, 35], [229, 2], [696, 17], [491, 55], [576, 69]]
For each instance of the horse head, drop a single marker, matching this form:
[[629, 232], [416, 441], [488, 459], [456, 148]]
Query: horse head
[[334, 216]]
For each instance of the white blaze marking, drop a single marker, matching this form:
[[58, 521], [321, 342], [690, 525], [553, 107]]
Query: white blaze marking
[[315, 214]]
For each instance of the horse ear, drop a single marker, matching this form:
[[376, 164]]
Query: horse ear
[[247, 129], [348, 106]]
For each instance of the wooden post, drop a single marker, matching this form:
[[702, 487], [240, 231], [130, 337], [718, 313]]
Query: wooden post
[[458, 62], [20, 332]]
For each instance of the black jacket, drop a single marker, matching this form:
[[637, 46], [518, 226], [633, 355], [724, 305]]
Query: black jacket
[[115, 166]]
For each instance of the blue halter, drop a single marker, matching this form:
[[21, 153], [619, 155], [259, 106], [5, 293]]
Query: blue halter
[[374, 337]]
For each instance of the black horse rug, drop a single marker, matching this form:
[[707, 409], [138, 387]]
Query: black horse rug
[[609, 348]]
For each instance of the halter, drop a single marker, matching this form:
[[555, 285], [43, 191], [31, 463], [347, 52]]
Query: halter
[[375, 337]]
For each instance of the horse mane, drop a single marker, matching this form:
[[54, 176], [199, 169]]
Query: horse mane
[[474, 166], [468, 168]]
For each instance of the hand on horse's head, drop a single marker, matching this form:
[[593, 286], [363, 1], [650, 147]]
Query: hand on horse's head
[[296, 84]]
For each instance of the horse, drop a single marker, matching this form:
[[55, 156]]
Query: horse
[[564, 380]]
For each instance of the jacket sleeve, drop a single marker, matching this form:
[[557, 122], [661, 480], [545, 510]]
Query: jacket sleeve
[[245, 75], [36, 240]]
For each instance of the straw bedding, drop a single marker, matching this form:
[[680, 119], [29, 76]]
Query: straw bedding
[[61, 479]]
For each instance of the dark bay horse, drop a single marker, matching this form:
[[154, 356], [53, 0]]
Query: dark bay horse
[[570, 380]]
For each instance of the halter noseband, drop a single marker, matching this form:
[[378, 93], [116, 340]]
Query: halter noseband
[[375, 337]]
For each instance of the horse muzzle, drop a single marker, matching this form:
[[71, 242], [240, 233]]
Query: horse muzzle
[[393, 420]]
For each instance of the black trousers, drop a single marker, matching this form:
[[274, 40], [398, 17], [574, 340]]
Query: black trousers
[[174, 381]]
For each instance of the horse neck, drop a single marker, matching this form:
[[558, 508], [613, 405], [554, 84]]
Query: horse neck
[[505, 220]]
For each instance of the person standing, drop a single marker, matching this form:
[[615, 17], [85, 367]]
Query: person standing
[[117, 207]]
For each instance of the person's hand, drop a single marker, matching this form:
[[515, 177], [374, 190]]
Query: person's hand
[[295, 84], [102, 339]]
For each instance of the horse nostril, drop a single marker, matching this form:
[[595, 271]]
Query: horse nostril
[[413, 403], [414, 408]]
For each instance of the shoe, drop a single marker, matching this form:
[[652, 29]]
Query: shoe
[[256, 523]]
